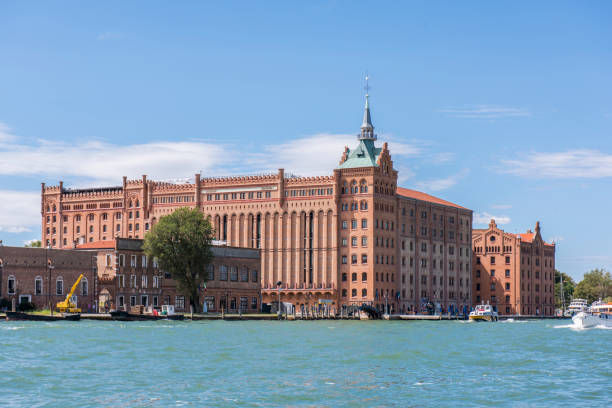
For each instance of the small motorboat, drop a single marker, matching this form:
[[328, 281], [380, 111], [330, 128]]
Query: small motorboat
[[600, 314], [484, 313]]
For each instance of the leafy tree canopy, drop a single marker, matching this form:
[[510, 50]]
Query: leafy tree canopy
[[568, 288], [33, 244], [181, 243], [595, 285]]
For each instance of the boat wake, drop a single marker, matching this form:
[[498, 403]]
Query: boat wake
[[580, 328]]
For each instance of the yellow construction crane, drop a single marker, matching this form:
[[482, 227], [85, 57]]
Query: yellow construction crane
[[67, 305]]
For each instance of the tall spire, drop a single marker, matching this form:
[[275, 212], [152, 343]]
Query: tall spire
[[367, 129]]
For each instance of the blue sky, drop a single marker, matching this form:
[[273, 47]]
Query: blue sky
[[502, 107]]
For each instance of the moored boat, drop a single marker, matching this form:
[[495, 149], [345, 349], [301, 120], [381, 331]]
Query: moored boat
[[484, 313], [600, 314], [42, 318]]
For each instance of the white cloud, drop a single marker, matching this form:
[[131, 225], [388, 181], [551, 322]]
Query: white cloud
[[485, 112], [109, 35], [501, 206], [19, 211], [30, 241], [582, 163], [102, 163], [5, 133], [442, 183], [484, 218], [314, 155]]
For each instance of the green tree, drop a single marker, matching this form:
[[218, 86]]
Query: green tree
[[181, 243], [595, 285], [569, 286], [33, 244]]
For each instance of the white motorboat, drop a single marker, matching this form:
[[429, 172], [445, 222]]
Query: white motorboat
[[600, 314], [484, 313], [576, 306]]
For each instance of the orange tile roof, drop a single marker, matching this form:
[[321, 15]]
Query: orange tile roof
[[528, 237], [97, 245], [417, 195]]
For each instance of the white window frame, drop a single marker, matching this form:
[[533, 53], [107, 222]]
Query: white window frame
[[133, 261], [57, 280], [84, 287], [42, 286], [8, 285], [144, 281]]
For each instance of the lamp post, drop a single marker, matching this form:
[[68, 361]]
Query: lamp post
[[278, 286], [49, 268]]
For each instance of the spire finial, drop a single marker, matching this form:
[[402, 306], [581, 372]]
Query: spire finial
[[367, 129]]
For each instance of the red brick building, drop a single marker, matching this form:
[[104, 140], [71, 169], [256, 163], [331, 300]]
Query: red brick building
[[336, 238], [45, 276], [514, 272], [128, 278]]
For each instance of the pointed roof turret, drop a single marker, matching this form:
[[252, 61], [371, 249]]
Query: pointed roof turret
[[367, 120]]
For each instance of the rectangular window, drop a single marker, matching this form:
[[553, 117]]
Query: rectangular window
[[145, 281], [364, 223], [244, 274], [254, 303], [179, 302], [120, 301], [254, 277], [210, 302], [156, 281], [364, 259], [223, 272], [133, 261], [344, 224], [234, 273], [132, 300]]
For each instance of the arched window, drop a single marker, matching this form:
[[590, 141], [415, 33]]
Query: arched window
[[364, 276], [344, 188], [364, 293], [84, 287], [59, 286], [38, 286], [54, 208], [137, 203], [363, 187], [130, 204], [11, 285], [47, 208]]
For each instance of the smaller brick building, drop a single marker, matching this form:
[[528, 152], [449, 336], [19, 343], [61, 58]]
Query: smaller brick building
[[128, 278], [45, 276], [513, 272]]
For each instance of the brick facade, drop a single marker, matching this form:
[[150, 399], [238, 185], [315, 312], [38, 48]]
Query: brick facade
[[513, 272], [320, 237], [45, 276], [127, 278]]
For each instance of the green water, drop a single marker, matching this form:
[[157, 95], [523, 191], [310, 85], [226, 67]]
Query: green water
[[316, 363]]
